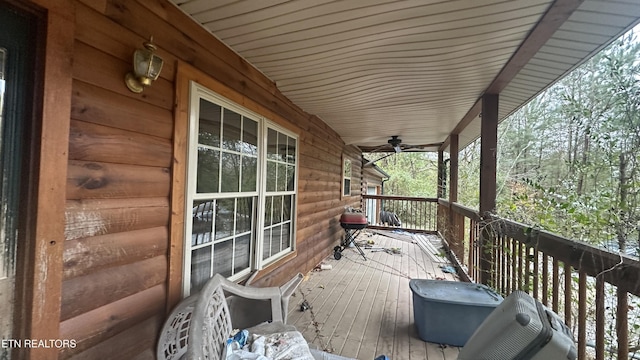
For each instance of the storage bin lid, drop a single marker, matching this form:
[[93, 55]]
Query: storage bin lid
[[455, 292]]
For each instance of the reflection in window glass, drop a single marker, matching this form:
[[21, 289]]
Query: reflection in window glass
[[200, 267], [276, 234], [244, 215], [282, 177], [272, 145], [209, 124], [222, 255], [208, 176], [268, 210], [271, 175], [224, 218], [277, 209], [242, 253], [202, 223], [266, 243], [291, 177], [286, 208], [249, 172], [284, 239], [291, 150], [230, 172], [282, 147], [231, 130], [250, 137]]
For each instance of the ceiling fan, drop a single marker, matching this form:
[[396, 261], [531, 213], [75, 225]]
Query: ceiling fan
[[393, 146]]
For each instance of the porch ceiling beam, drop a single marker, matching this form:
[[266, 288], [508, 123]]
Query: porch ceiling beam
[[550, 22]]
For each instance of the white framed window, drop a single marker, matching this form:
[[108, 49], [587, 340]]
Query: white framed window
[[241, 190], [346, 177]]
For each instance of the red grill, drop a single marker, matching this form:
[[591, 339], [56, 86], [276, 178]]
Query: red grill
[[352, 223]]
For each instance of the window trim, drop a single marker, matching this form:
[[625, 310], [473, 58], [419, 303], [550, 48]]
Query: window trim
[[199, 91], [346, 191], [185, 74], [264, 263]]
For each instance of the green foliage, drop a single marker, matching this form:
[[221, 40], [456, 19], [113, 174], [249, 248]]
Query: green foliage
[[568, 161], [412, 174]]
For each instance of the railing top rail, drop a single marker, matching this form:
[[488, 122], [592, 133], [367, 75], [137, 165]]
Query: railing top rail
[[461, 209], [616, 268], [396, 197]]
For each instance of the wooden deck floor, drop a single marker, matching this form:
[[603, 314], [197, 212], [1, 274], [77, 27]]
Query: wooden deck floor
[[362, 309]]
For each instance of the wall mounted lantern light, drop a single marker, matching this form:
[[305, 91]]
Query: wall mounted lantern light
[[146, 67]]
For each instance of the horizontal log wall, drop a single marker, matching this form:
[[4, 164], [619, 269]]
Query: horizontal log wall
[[118, 211]]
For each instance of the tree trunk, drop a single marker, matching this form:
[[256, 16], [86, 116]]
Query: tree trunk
[[622, 183]]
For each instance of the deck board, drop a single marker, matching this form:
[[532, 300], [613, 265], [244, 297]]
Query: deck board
[[364, 308]]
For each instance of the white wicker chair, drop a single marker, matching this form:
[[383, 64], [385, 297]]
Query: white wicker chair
[[200, 324]]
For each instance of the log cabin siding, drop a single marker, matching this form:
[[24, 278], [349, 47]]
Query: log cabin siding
[[121, 152]]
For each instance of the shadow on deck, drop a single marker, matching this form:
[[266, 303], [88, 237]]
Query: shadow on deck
[[364, 308]]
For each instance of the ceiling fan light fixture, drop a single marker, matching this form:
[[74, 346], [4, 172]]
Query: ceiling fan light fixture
[[395, 143]]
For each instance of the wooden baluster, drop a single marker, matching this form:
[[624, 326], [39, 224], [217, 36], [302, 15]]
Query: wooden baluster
[[556, 286], [536, 271], [622, 324], [545, 279], [567, 294], [600, 319], [582, 316]]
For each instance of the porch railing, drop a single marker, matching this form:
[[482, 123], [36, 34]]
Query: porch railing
[[596, 291], [414, 213]]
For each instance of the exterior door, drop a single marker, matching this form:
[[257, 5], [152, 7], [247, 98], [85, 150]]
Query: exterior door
[[372, 205], [16, 69]]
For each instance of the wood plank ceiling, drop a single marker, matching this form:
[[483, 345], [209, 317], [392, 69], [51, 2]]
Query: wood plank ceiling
[[414, 68]]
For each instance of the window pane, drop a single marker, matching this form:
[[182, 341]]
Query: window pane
[[209, 124], [208, 170], [224, 218], [222, 254], [250, 137], [242, 253], [244, 214], [282, 147], [285, 240], [277, 209], [202, 223], [266, 244], [347, 187], [231, 130], [291, 150], [275, 239], [282, 177], [291, 176], [271, 175], [286, 208], [200, 267], [347, 168], [268, 210], [249, 173], [230, 172], [272, 145]]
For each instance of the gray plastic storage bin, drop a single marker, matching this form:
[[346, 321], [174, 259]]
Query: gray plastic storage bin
[[448, 312]]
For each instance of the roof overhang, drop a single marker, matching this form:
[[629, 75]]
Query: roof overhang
[[417, 68]]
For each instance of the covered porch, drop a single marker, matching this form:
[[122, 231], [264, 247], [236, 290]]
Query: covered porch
[[363, 308], [110, 221]]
